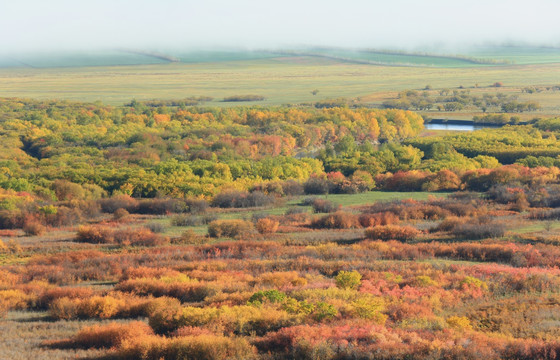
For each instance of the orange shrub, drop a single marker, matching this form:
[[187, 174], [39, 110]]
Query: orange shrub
[[120, 214], [442, 180], [184, 290], [104, 235], [16, 299], [94, 235], [162, 302], [140, 237], [110, 335], [50, 295], [381, 218], [148, 272], [64, 308], [392, 232], [204, 347], [191, 331], [267, 226], [7, 278], [280, 279], [33, 228], [103, 307]]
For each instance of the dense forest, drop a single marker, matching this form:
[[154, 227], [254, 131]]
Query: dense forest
[[148, 151]]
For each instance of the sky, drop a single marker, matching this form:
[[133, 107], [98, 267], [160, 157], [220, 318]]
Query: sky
[[29, 25]]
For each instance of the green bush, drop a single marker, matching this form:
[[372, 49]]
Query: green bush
[[348, 279], [273, 296]]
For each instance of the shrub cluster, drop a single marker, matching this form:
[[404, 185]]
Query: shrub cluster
[[321, 205], [377, 219], [479, 230], [241, 199], [229, 228], [338, 220], [104, 235], [392, 232], [155, 206], [192, 220]]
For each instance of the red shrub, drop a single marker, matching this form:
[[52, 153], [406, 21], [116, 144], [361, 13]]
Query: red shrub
[[51, 295]]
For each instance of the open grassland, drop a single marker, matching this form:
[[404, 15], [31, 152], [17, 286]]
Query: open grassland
[[280, 80]]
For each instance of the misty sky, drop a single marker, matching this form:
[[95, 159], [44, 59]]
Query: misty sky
[[85, 24]]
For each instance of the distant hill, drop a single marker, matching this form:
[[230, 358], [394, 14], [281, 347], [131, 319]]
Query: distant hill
[[478, 56]]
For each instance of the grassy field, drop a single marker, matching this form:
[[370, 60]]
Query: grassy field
[[280, 80]]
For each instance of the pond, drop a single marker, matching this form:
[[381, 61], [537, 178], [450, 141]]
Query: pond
[[458, 125]]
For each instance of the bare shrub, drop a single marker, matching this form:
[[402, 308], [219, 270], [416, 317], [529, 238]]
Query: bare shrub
[[478, 230], [120, 214], [33, 227], [242, 199], [316, 186], [324, 206]]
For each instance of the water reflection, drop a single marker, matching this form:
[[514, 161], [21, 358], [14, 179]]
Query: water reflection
[[455, 127]]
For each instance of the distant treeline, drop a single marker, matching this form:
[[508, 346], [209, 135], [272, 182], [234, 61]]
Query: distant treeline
[[456, 100], [190, 101], [239, 98]]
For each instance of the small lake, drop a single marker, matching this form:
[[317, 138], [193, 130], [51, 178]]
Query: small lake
[[458, 127], [454, 127]]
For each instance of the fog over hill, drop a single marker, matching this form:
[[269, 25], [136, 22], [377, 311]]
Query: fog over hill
[[432, 25]]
